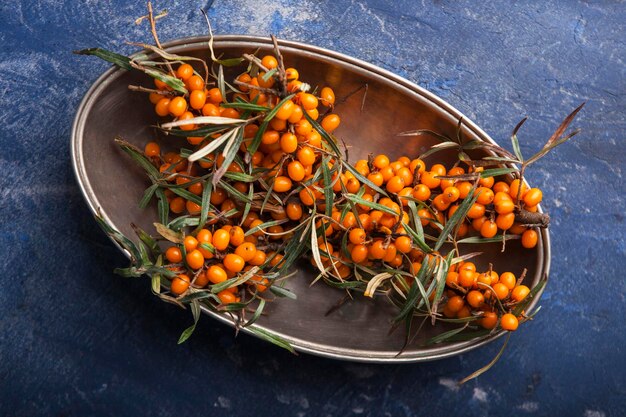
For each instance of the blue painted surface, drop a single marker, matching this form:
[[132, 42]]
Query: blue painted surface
[[75, 340]]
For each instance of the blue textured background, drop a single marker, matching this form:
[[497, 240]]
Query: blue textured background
[[75, 340]]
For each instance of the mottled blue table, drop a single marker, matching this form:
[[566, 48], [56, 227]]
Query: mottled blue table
[[75, 340]]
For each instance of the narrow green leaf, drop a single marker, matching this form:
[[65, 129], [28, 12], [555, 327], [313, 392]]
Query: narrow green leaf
[[272, 338], [112, 57], [457, 217], [489, 365], [147, 196]]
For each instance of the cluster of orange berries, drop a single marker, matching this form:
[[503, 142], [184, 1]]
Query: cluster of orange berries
[[484, 295], [212, 257], [365, 227]]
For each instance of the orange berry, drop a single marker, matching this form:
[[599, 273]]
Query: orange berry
[[327, 95], [519, 293], [509, 322], [533, 197], [221, 239], [195, 259], [173, 254], [180, 284], [489, 320], [530, 238], [177, 106], [269, 62], [282, 184], [475, 298], [330, 122], [234, 262]]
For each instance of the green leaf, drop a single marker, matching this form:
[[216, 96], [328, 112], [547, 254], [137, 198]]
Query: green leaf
[[175, 83], [489, 365], [282, 292], [478, 239], [186, 334], [257, 313], [163, 206], [362, 179], [230, 151], [329, 194], [206, 202], [139, 158], [457, 217], [112, 57], [328, 139], [147, 195], [254, 145], [272, 338], [445, 336]]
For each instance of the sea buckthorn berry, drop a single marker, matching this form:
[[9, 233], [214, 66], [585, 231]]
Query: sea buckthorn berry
[[376, 178], [508, 279], [438, 169], [424, 216], [288, 142], [330, 122], [216, 274], [478, 223], [359, 253], [327, 95], [201, 280], [421, 192], [192, 208], [489, 320], [440, 203], [269, 137], [417, 166], [387, 173], [486, 182], [294, 211], [465, 312], [519, 293], [509, 322], [501, 290], [475, 298], [357, 236], [504, 206], [221, 239], [244, 78], [152, 149], [465, 187], [395, 184], [173, 255], [227, 297], [214, 95], [259, 258], [451, 194], [285, 110], [195, 259], [269, 62], [155, 97], [308, 101], [505, 221], [292, 74], [190, 243], [186, 116], [180, 284], [161, 85], [162, 107], [377, 250], [210, 109], [177, 205], [265, 82], [195, 82], [530, 238], [282, 184], [295, 171], [456, 303], [488, 229], [452, 279], [514, 188], [466, 278], [403, 244], [476, 210], [428, 178], [533, 197], [485, 195], [307, 197], [246, 251], [229, 113], [237, 236], [177, 106], [197, 99], [500, 187], [204, 236], [234, 262]]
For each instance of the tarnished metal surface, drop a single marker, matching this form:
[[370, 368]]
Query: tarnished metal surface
[[359, 330]]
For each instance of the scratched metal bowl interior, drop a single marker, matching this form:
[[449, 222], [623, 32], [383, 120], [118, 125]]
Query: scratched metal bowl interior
[[359, 330]]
